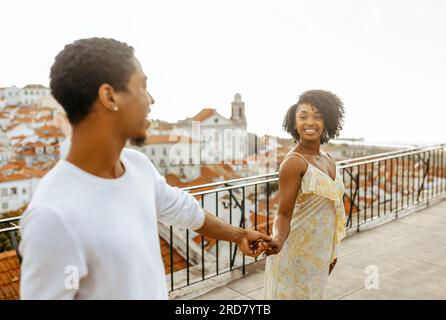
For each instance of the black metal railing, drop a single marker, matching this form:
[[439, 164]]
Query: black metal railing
[[377, 186]]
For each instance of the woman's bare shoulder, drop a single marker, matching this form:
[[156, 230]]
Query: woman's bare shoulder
[[293, 165]]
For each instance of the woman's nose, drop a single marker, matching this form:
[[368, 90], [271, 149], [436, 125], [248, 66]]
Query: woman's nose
[[151, 100], [310, 120]]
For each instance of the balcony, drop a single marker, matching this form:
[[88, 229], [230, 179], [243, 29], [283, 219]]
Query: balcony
[[396, 217], [409, 253]]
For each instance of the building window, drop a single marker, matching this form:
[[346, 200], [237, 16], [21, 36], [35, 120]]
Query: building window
[[4, 192], [13, 191], [24, 191], [153, 152], [5, 205], [26, 93], [240, 112], [164, 151], [216, 120]]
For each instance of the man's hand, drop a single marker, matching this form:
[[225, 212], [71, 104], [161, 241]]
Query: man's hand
[[254, 243], [274, 247]]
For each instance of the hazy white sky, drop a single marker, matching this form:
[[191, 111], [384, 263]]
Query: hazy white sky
[[386, 59]]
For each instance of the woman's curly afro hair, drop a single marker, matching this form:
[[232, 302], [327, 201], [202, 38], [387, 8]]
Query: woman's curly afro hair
[[328, 104]]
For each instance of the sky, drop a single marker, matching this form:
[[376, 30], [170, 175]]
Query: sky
[[386, 59]]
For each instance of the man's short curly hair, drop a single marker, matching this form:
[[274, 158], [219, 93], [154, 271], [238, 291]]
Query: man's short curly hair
[[82, 67], [328, 104]]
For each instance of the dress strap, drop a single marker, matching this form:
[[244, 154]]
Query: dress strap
[[297, 154], [330, 157]]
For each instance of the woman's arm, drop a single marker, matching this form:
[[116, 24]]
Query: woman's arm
[[290, 174]]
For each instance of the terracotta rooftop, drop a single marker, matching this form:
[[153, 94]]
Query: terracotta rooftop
[[208, 242], [13, 177], [179, 262], [13, 166], [165, 139], [174, 180], [9, 276], [204, 114], [163, 126], [215, 171]]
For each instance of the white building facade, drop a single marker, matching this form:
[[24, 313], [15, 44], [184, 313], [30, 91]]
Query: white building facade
[[27, 95], [16, 192], [172, 154], [221, 139]]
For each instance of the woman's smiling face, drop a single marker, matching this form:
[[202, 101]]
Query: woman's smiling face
[[309, 122]]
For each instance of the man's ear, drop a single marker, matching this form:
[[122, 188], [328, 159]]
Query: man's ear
[[106, 96]]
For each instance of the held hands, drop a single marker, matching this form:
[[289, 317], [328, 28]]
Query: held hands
[[254, 243], [274, 247]]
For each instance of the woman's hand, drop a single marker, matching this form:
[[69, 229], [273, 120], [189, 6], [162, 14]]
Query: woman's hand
[[274, 247]]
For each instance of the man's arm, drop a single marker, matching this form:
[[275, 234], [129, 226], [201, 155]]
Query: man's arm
[[244, 238], [178, 208]]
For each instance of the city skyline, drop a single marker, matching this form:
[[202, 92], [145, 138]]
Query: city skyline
[[385, 60]]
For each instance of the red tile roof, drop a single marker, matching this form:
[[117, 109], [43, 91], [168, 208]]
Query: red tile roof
[[165, 139], [25, 153], [215, 171], [261, 222], [13, 177], [9, 276], [204, 114], [179, 262], [13, 166], [163, 126], [209, 242], [174, 180], [33, 172], [209, 173]]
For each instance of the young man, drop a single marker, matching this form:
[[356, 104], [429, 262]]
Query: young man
[[94, 215]]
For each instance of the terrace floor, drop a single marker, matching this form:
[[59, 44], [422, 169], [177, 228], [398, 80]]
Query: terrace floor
[[409, 254]]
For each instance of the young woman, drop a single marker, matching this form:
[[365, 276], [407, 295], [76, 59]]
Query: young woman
[[310, 221]]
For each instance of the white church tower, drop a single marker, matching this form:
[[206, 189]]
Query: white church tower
[[238, 109]]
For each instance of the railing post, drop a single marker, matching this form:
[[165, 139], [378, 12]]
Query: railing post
[[171, 257]]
